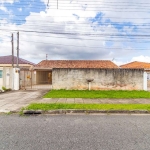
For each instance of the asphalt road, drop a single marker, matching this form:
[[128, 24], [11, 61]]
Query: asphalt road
[[75, 132]]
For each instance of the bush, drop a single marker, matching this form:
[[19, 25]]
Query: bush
[[5, 89]]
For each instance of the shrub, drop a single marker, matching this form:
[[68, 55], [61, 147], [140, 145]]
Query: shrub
[[5, 89]]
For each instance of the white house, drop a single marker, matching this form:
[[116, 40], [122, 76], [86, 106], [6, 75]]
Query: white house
[[8, 74]]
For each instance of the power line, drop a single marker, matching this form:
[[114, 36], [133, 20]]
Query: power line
[[94, 3], [89, 6], [57, 44], [79, 28], [114, 10], [97, 39], [141, 35], [89, 23], [106, 48], [71, 8], [46, 16], [84, 1]]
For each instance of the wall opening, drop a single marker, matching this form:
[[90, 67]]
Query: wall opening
[[35, 79]]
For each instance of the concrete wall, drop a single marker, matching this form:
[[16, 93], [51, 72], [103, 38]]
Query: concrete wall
[[104, 79], [6, 80], [1, 78]]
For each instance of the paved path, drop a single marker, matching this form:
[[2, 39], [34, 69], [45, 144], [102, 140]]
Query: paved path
[[75, 132], [15, 100], [94, 101]]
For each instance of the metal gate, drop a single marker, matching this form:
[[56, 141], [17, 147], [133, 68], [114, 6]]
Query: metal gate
[[35, 79]]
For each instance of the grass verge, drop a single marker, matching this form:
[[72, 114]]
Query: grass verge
[[47, 107], [96, 94]]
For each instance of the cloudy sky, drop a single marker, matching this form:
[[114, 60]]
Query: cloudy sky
[[115, 30]]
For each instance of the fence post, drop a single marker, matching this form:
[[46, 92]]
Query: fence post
[[31, 79], [24, 80], [145, 81]]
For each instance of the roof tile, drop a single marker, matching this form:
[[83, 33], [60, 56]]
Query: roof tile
[[76, 64], [8, 60], [136, 64]]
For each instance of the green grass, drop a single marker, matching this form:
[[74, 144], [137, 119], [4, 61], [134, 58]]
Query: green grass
[[46, 107], [96, 94]]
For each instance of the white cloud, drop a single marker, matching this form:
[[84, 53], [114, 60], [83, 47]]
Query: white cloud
[[8, 1], [141, 58], [52, 20], [20, 9], [119, 63], [3, 8]]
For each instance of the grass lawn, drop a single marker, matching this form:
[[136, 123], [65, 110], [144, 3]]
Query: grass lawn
[[45, 107], [96, 94]]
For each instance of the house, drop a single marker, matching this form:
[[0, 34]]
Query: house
[[45, 67], [136, 65], [88, 74], [7, 77], [6, 61]]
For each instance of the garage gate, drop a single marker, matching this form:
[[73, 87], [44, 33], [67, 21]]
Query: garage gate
[[35, 79]]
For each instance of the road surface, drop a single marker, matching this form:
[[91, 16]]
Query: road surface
[[75, 132]]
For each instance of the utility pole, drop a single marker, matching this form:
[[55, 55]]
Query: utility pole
[[17, 49], [48, 3], [46, 56], [12, 41]]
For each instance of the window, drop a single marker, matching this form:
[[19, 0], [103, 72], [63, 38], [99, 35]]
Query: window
[[1, 74]]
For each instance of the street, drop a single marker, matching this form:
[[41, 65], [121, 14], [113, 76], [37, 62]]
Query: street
[[75, 132]]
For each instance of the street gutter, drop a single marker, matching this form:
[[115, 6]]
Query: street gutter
[[73, 111]]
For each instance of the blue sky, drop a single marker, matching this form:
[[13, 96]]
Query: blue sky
[[94, 31], [21, 8]]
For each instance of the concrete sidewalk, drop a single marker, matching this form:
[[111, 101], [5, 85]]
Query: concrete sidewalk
[[93, 101], [14, 101]]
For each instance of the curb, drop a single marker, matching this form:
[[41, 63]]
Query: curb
[[30, 112]]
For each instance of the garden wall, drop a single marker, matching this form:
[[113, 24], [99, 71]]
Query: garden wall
[[5, 77], [1, 77], [104, 79]]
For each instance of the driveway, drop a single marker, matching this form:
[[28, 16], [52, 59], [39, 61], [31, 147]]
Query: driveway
[[15, 100]]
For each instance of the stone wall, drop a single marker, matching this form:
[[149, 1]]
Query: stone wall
[[104, 79]]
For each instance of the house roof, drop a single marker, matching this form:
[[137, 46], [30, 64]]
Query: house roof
[[76, 64], [136, 64], [8, 60]]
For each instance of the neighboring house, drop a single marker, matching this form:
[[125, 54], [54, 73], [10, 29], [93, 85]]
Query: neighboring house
[[138, 65], [77, 74], [6, 69]]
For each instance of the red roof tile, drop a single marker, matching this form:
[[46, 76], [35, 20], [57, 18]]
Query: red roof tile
[[76, 64], [136, 64]]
